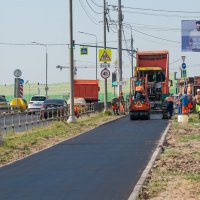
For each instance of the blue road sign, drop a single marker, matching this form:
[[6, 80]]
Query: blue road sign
[[21, 81], [183, 66], [184, 73], [84, 51]]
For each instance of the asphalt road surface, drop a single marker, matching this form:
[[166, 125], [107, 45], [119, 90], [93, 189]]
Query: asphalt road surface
[[102, 164]]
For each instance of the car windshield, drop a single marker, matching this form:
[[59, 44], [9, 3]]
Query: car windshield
[[54, 101], [38, 98], [2, 99]]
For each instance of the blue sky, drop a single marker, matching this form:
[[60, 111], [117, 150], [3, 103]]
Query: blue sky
[[47, 22]]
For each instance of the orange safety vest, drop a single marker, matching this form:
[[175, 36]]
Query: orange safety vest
[[139, 88], [169, 99]]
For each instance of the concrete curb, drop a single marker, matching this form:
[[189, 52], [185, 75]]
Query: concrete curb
[[141, 181]]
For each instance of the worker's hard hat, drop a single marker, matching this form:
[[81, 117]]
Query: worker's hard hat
[[121, 93], [198, 90]]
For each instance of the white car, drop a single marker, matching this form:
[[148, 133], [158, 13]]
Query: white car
[[35, 103]]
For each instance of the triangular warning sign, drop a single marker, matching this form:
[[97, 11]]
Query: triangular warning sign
[[138, 104], [105, 57]]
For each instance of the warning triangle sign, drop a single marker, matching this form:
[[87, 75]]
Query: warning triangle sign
[[105, 57], [138, 104]]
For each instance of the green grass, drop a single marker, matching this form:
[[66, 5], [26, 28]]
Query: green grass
[[188, 138], [59, 90], [193, 177]]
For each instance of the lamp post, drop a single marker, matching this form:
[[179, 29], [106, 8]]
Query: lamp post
[[46, 84], [96, 46]]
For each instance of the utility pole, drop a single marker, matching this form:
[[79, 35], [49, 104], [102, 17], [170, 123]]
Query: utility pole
[[119, 46], [132, 53], [105, 84], [71, 63]]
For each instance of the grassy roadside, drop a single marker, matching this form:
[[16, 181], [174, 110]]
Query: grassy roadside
[[176, 173], [16, 146]]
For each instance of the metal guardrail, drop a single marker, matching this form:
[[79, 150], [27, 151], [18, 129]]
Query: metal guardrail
[[13, 121]]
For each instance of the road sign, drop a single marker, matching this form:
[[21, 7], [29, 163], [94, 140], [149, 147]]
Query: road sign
[[105, 55], [121, 82], [21, 81], [105, 73], [184, 73], [17, 73], [105, 65], [183, 66], [84, 50]]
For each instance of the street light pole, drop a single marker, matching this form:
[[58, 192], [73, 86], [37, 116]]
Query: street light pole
[[46, 68], [96, 46]]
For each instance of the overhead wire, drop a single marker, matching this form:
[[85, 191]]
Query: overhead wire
[[155, 36], [152, 41], [161, 15], [160, 10], [87, 13], [126, 45], [93, 8], [96, 4]]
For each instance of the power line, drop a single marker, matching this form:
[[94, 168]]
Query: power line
[[92, 8], [96, 4], [87, 13], [162, 15], [170, 11], [155, 36]]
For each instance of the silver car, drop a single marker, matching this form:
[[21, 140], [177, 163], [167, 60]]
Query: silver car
[[35, 103]]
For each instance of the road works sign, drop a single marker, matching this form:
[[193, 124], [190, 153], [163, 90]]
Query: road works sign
[[105, 55]]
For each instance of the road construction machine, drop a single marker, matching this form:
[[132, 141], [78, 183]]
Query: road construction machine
[[152, 70]]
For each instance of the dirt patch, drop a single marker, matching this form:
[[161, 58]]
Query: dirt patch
[[179, 189], [176, 173]]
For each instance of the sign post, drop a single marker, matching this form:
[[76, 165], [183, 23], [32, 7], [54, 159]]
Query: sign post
[[105, 56], [184, 74]]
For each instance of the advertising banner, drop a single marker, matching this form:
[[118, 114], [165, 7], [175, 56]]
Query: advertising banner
[[190, 30]]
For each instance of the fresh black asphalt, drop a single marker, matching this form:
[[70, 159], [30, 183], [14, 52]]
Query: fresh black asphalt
[[102, 164]]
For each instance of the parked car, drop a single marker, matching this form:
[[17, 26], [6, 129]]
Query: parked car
[[53, 108], [4, 104], [18, 104], [35, 103]]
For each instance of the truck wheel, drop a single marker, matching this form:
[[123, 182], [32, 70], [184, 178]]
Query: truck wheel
[[134, 115]]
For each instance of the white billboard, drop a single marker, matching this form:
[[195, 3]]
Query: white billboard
[[190, 35]]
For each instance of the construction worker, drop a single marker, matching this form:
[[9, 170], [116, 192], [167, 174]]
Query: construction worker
[[190, 103], [170, 105], [76, 111], [197, 102], [139, 91], [178, 103], [114, 103], [184, 103], [121, 103]]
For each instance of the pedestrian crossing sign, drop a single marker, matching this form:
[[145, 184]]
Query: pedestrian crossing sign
[[84, 51], [105, 55]]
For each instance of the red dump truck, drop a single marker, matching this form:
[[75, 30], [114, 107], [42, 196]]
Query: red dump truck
[[87, 89], [152, 68]]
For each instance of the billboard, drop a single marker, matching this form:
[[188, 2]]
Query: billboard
[[190, 30]]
